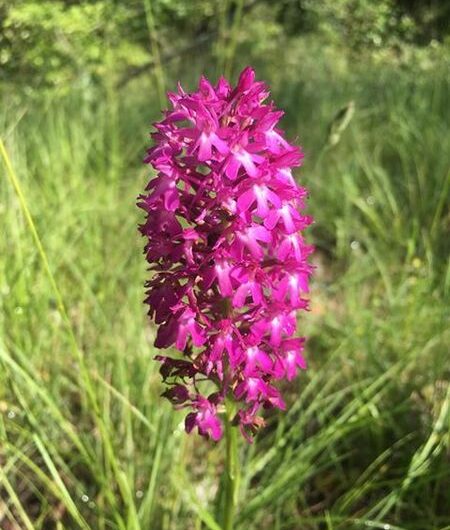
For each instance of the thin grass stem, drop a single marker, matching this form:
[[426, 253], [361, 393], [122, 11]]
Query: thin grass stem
[[231, 483]]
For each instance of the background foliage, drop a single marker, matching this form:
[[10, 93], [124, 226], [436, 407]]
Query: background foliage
[[55, 42], [85, 439]]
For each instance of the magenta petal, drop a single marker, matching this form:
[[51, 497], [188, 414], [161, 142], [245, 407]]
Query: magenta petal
[[275, 331], [273, 198], [261, 234], [303, 282], [240, 295], [204, 151], [286, 214], [284, 250], [272, 219], [254, 248], [197, 335], [232, 167], [216, 428], [217, 349], [263, 207], [223, 87], [246, 79], [206, 88], [257, 294], [245, 200], [278, 402], [223, 276], [225, 285], [219, 144], [264, 360], [247, 161], [181, 338]]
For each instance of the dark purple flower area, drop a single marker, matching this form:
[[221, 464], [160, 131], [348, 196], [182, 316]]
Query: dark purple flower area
[[229, 262]]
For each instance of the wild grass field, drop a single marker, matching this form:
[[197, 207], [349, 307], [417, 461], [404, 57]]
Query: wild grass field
[[86, 441]]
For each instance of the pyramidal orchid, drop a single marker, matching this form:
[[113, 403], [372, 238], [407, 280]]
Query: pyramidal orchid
[[229, 264]]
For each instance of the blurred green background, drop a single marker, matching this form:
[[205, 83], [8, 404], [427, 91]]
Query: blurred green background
[[85, 439]]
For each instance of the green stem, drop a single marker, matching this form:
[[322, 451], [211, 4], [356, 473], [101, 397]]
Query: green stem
[[234, 34], [231, 470], [158, 69]]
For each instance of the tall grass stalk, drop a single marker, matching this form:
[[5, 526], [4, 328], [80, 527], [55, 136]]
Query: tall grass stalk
[[158, 67], [231, 483]]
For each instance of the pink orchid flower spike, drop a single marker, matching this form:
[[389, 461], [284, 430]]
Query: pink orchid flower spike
[[228, 260]]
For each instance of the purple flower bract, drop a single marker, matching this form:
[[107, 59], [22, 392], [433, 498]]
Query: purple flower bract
[[224, 242]]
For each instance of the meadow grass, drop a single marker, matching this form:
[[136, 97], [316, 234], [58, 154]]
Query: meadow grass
[[85, 439]]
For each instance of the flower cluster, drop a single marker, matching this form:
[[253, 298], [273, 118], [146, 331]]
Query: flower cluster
[[223, 239]]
